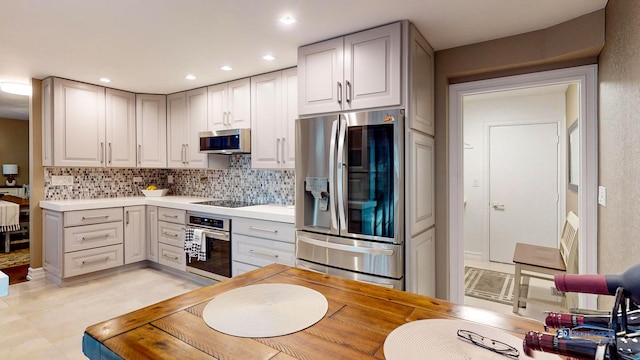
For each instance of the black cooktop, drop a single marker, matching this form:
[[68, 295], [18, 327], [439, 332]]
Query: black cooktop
[[227, 203]]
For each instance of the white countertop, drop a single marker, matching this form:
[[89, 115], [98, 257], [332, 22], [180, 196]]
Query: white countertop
[[261, 212]]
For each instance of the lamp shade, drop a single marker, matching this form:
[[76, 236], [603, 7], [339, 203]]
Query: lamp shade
[[10, 169]]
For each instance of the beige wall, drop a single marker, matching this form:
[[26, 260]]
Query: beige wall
[[14, 148], [572, 101], [575, 42], [619, 140]]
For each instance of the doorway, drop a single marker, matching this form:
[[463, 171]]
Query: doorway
[[585, 78]]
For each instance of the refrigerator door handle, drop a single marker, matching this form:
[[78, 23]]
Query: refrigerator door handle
[[348, 248], [332, 180], [341, 164]]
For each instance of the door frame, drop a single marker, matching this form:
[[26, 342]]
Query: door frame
[[587, 78], [561, 165]]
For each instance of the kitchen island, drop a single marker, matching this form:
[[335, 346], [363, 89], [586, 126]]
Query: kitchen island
[[358, 320]]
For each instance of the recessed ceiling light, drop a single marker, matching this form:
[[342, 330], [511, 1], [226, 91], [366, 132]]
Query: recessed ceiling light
[[15, 88], [288, 20], [105, 80], [226, 68], [190, 77], [269, 57]]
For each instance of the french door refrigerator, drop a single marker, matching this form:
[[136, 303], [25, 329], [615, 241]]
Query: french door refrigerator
[[349, 196]]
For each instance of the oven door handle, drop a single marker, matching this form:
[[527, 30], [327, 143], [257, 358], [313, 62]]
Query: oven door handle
[[218, 235], [349, 248]]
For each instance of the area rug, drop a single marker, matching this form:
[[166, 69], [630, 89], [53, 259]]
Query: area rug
[[14, 258], [488, 285]]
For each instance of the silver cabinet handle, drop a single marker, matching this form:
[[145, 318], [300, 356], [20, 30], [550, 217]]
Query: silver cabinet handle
[[170, 234], [284, 159], [278, 150], [89, 262], [103, 236], [186, 153], [95, 217], [174, 258], [101, 153], [127, 218], [263, 254], [349, 248], [170, 216], [110, 153], [228, 118], [139, 154], [348, 92], [339, 92], [263, 229]]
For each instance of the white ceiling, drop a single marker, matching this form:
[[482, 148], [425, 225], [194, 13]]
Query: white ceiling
[[148, 46]]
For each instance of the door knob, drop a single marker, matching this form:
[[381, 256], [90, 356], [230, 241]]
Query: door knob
[[497, 206]]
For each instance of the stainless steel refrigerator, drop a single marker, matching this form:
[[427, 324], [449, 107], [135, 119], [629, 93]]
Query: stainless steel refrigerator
[[349, 196]]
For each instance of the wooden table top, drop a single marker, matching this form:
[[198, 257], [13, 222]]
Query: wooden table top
[[16, 200], [359, 318]]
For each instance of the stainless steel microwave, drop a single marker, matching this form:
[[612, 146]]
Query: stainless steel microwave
[[231, 141]]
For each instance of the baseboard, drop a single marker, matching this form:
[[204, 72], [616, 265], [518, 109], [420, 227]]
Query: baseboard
[[472, 255], [35, 273]]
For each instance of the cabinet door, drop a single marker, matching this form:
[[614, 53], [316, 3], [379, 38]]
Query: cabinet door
[[217, 96], [78, 124], [289, 116], [421, 170], [120, 128], [265, 120], [52, 241], [320, 77], [151, 233], [421, 63], [420, 277], [372, 70], [176, 130], [197, 122], [239, 104], [151, 120], [134, 234]]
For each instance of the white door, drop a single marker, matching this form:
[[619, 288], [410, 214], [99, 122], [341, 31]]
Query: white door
[[523, 185]]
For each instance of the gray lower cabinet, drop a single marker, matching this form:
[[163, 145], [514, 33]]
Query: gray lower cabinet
[[257, 243], [82, 242], [171, 238]]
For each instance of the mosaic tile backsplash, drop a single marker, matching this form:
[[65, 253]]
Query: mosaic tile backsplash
[[238, 182]]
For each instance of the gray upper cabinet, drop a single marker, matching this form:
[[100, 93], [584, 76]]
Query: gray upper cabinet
[[357, 71]]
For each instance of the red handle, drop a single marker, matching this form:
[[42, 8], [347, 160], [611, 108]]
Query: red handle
[[590, 284]]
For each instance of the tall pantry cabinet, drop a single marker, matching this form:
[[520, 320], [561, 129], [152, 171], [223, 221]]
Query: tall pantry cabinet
[[390, 66]]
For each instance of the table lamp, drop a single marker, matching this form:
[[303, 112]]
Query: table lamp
[[10, 170]]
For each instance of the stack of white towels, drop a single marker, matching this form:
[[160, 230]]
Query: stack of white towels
[[195, 244]]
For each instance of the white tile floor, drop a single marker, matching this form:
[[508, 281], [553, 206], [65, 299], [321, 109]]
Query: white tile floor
[[537, 288], [39, 320]]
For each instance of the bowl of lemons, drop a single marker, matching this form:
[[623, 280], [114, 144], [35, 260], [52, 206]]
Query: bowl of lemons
[[153, 190]]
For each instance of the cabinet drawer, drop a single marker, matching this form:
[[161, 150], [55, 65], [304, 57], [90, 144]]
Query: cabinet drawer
[[86, 261], [172, 256], [238, 268], [172, 215], [171, 234], [95, 216], [91, 236], [264, 229], [262, 252]]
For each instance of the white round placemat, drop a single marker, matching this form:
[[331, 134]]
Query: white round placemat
[[265, 310], [438, 339]]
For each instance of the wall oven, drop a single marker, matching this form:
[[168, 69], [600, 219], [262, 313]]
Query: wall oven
[[217, 240]]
